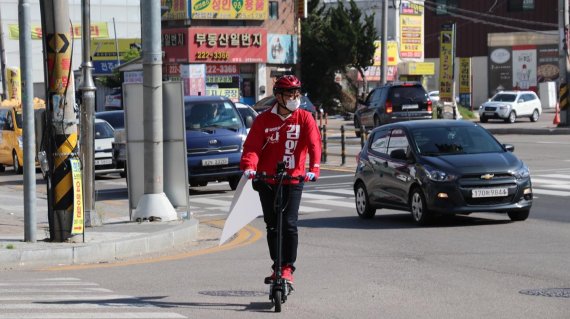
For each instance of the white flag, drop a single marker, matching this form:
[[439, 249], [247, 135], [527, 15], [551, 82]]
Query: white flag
[[245, 207]]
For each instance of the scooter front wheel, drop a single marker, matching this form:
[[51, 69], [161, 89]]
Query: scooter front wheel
[[277, 299]]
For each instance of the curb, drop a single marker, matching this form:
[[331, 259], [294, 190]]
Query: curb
[[101, 252]]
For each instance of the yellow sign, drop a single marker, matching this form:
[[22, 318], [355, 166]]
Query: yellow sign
[[14, 83], [446, 57], [99, 30], [229, 9], [464, 75], [78, 224], [177, 9], [411, 30], [392, 50], [230, 93], [105, 49], [421, 68]]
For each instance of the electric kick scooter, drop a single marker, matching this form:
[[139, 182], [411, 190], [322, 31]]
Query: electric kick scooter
[[279, 288]]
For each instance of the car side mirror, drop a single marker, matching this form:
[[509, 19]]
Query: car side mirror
[[509, 147], [399, 154], [248, 121]]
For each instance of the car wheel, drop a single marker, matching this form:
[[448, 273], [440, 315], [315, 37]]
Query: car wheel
[[511, 118], [483, 119], [534, 117], [363, 208], [123, 174], [17, 168], [519, 215], [418, 207], [357, 127], [2, 168], [234, 181]]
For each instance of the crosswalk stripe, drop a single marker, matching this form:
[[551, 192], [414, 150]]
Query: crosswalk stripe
[[51, 290], [317, 196], [550, 181], [209, 201], [336, 203], [75, 306], [562, 176], [44, 297], [349, 192], [550, 192], [88, 315], [308, 209], [46, 284]]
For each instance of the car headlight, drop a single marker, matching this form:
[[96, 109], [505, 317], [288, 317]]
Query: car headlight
[[438, 175], [522, 172]]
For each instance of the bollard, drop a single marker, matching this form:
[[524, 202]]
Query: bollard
[[342, 147], [362, 137], [324, 150], [326, 118]]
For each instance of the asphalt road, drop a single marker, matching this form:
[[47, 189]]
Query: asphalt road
[[477, 266]]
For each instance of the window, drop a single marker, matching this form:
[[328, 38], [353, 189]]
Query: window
[[379, 143], [520, 5], [442, 6], [273, 10], [398, 141]]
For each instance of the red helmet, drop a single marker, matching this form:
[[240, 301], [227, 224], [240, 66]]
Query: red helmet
[[286, 83]]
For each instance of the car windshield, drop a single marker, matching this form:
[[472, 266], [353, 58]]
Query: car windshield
[[202, 115], [19, 120], [504, 98], [103, 130], [116, 119], [435, 141]]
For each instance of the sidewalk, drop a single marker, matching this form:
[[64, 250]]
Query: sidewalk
[[119, 238]]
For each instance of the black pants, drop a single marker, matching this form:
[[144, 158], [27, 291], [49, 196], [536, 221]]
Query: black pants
[[291, 201]]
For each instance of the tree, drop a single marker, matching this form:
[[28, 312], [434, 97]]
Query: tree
[[334, 40]]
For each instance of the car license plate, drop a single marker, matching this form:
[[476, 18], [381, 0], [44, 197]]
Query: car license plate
[[489, 192], [490, 113], [215, 161], [106, 161], [410, 107]]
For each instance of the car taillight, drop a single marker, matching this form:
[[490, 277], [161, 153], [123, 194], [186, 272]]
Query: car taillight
[[388, 106], [429, 103]]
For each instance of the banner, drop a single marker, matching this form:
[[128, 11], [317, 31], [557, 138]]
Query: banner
[[99, 30], [177, 9], [229, 9], [282, 48], [78, 224], [104, 53], [194, 78], [14, 83], [446, 62]]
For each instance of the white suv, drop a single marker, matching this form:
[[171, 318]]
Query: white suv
[[509, 105]]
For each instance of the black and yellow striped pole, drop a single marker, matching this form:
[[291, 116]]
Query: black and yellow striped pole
[[563, 105], [62, 137]]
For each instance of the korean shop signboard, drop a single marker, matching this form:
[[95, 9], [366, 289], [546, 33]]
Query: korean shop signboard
[[228, 9], [227, 45], [411, 31], [107, 54]]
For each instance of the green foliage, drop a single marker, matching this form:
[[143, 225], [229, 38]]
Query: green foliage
[[334, 40], [466, 113]]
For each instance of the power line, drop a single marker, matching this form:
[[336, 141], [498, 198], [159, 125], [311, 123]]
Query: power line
[[487, 22], [476, 13]]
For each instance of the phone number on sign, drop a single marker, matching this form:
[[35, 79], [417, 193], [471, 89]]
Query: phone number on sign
[[218, 56]]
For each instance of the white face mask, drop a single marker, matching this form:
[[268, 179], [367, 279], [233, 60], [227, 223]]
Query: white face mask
[[293, 105]]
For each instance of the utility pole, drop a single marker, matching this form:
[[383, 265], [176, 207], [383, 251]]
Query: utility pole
[[87, 120], [565, 65], [3, 61], [62, 139], [30, 226], [153, 205], [384, 67]]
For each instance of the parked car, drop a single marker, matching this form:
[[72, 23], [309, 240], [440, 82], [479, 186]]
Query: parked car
[[119, 145], [215, 133], [510, 105], [433, 167], [247, 113], [393, 102], [104, 135], [269, 101], [434, 96]]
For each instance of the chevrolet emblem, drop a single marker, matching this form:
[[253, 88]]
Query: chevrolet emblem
[[487, 176]]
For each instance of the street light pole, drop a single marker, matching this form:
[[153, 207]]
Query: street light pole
[[384, 67], [87, 120]]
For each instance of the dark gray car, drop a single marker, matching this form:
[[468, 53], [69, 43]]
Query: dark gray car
[[393, 102], [431, 167]]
